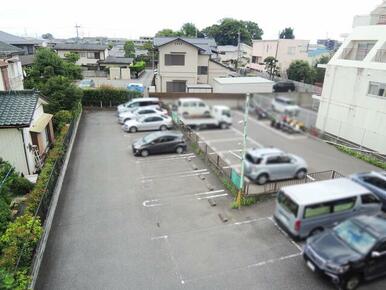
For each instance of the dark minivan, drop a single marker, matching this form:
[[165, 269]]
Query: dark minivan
[[158, 143], [284, 86], [353, 251]]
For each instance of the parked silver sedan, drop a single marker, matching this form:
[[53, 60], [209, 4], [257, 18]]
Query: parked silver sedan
[[268, 164], [148, 123]]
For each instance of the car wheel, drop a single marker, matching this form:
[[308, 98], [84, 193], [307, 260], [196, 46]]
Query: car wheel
[[223, 126], [163, 128], [262, 179], [316, 231], [179, 150], [144, 153], [133, 129], [300, 174], [351, 282]]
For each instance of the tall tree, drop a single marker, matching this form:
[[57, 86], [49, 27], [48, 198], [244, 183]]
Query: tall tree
[[189, 30], [167, 32], [320, 72], [287, 33], [301, 71], [271, 66], [254, 30], [129, 49]]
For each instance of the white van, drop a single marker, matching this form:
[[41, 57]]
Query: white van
[[189, 107], [306, 209], [134, 104]]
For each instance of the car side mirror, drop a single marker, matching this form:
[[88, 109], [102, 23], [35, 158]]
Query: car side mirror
[[375, 254]]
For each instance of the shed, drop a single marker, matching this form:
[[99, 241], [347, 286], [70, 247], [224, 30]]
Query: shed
[[242, 85]]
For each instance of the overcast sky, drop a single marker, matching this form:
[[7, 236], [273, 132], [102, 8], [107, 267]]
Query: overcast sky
[[311, 19]]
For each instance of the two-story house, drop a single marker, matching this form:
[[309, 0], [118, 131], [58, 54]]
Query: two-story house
[[89, 54], [353, 101], [284, 50], [186, 62], [11, 73]]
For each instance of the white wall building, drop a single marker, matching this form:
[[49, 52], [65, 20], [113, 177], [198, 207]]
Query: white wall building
[[186, 61], [11, 73], [284, 50], [353, 101]]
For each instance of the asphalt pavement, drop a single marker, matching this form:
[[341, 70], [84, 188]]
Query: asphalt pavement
[[126, 222]]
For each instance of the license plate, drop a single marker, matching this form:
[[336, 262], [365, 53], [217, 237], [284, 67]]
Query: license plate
[[311, 266]]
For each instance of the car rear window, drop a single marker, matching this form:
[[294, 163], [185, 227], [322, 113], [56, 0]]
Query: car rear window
[[287, 203]]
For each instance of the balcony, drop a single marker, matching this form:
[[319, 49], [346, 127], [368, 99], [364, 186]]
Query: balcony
[[380, 56], [358, 54]]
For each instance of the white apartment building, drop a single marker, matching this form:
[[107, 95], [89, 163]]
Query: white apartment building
[[229, 54], [353, 101], [11, 73], [284, 50], [89, 54], [186, 62]]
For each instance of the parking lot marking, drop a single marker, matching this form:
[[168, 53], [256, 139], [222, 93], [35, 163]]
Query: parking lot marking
[[148, 203], [222, 140], [236, 155], [271, 261], [170, 157], [212, 196], [209, 192], [248, 138], [285, 234], [159, 238], [235, 166], [177, 174], [250, 221]]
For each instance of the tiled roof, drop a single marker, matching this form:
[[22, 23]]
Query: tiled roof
[[207, 45], [117, 60], [79, 46], [8, 49], [13, 39], [17, 108]]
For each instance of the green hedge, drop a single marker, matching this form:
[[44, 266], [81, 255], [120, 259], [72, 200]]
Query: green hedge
[[138, 66], [365, 157], [107, 96]]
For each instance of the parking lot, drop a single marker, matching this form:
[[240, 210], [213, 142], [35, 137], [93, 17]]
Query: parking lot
[[126, 222]]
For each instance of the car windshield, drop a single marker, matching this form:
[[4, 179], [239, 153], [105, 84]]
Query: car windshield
[[149, 138], [355, 236], [226, 113], [289, 102]]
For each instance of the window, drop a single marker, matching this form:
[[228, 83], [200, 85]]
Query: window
[[377, 89], [90, 55], [97, 55], [284, 159], [174, 59], [273, 160], [252, 160], [291, 50], [375, 181], [369, 199], [344, 204], [317, 210], [287, 203], [254, 59], [202, 70], [176, 86], [82, 54], [201, 105]]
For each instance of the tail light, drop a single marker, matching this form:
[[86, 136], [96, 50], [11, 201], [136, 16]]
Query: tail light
[[298, 225]]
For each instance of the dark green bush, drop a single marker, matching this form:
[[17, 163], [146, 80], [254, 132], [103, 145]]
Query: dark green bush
[[20, 186], [62, 118], [107, 96], [5, 215]]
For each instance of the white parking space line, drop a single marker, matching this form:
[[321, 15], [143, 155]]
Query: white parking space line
[[212, 196], [221, 140], [248, 138], [285, 234], [169, 158], [234, 154], [177, 174]]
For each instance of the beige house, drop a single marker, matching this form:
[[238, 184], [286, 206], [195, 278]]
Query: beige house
[[26, 132], [11, 73], [185, 62], [284, 50], [89, 54]]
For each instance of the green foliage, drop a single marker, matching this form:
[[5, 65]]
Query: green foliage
[[271, 66], [230, 186], [137, 66], [287, 33], [20, 185], [129, 49], [301, 71], [71, 57], [365, 157], [320, 72], [15, 281], [226, 32], [61, 93], [5, 215], [189, 30], [107, 96], [61, 118], [167, 32], [48, 64]]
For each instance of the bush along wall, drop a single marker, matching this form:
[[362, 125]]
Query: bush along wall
[[107, 96], [21, 236]]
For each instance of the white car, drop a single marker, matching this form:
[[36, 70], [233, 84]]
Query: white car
[[126, 116], [137, 103], [148, 123], [188, 107], [285, 105]]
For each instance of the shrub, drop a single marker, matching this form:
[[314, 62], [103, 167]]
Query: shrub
[[107, 96], [20, 186], [365, 157], [5, 215], [62, 118], [15, 281]]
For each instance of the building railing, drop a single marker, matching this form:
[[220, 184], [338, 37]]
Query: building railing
[[380, 56]]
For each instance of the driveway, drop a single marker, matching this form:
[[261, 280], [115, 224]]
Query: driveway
[[126, 222]]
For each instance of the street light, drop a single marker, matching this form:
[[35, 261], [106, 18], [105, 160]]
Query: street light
[[245, 136]]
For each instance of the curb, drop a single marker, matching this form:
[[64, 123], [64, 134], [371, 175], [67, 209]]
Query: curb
[[51, 213]]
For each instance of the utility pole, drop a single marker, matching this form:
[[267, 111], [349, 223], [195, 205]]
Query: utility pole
[[245, 136], [238, 49], [77, 31]]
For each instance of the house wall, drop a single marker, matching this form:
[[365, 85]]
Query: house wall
[[216, 71], [14, 73], [203, 60], [11, 149], [346, 108], [83, 59]]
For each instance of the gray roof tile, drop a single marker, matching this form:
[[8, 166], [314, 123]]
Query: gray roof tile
[[8, 49], [79, 46]]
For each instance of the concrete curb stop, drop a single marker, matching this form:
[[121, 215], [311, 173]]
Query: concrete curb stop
[[52, 208]]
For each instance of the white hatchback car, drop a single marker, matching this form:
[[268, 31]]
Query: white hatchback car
[[188, 107], [126, 116], [285, 105], [148, 123]]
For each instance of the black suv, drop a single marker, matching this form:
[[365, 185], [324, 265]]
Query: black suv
[[284, 86], [353, 251]]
